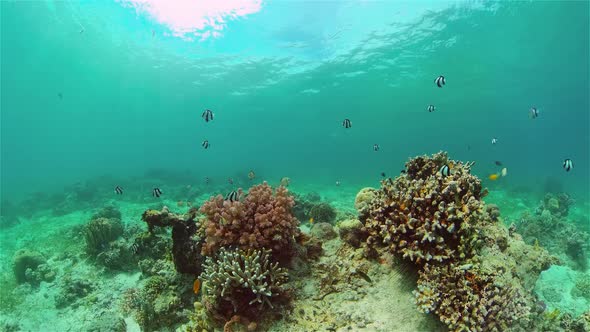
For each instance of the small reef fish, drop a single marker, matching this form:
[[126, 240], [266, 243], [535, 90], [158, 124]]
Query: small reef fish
[[153, 33], [207, 115], [251, 175], [118, 190], [230, 180], [533, 113], [346, 123], [232, 196], [156, 192], [568, 165], [382, 174], [375, 147], [494, 140], [134, 248], [205, 144], [206, 180], [498, 163], [495, 176], [196, 286], [440, 81], [285, 181], [445, 170], [403, 171], [311, 220], [431, 108], [60, 96], [337, 183]]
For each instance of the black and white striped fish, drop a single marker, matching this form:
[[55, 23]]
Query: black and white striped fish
[[534, 113], [375, 147], [568, 165], [207, 115], [346, 123], [156, 192], [431, 108], [118, 190], [440, 81], [445, 170], [134, 248], [232, 196], [205, 144], [494, 140]]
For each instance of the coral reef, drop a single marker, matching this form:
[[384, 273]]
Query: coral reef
[[351, 231], [555, 204], [261, 220], [323, 212], [549, 228], [468, 299], [362, 202], [26, 260], [99, 232], [323, 231], [71, 290], [159, 303], [235, 280], [476, 275], [186, 244], [303, 205], [582, 286], [426, 216]]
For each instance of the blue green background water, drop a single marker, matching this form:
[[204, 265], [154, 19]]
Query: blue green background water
[[281, 81]]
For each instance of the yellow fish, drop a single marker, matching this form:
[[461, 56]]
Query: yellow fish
[[493, 177], [196, 286], [311, 221]]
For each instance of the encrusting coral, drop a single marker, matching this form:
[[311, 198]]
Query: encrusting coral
[[236, 280], [261, 220]]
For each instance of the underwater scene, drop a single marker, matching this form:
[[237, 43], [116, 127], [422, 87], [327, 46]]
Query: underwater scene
[[318, 165]]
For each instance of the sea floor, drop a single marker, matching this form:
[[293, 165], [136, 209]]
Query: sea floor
[[381, 302]]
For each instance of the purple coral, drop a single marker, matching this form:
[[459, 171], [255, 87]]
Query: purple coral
[[261, 220]]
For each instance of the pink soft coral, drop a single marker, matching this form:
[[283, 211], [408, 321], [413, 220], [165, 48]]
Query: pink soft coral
[[261, 220]]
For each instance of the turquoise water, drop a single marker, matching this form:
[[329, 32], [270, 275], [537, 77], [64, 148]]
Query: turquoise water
[[108, 93], [280, 88]]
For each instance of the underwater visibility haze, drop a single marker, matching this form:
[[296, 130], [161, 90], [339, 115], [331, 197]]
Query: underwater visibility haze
[[254, 165]]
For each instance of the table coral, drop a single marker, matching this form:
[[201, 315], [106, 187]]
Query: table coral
[[261, 220]]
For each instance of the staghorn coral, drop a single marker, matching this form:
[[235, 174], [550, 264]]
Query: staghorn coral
[[261, 220], [467, 299], [426, 216], [241, 282]]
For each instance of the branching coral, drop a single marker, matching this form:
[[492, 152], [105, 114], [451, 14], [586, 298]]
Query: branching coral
[[466, 299], [261, 220], [236, 280], [426, 216], [471, 276]]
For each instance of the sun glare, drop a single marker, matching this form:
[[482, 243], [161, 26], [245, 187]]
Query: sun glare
[[190, 19]]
